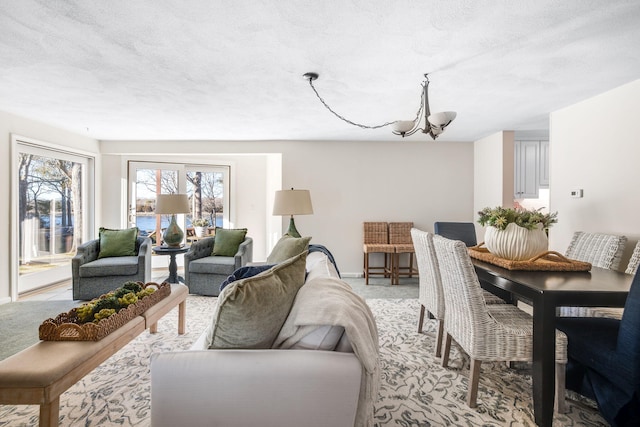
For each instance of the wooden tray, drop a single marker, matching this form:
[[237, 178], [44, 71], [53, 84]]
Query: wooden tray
[[546, 261], [66, 327]]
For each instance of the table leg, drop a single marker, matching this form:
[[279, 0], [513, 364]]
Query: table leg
[[49, 413], [182, 315], [173, 269], [544, 348]]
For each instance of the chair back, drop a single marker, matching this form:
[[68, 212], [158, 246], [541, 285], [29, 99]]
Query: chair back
[[375, 233], [430, 292], [466, 317], [400, 233], [464, 231], [601, 250], [632, 267], [629, 333]]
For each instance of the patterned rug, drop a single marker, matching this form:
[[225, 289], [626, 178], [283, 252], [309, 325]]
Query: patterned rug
[[415, 389]]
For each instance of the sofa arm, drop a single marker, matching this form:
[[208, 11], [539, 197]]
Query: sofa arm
[[245, 253], [86, 252], [276, 388], [144, 257]]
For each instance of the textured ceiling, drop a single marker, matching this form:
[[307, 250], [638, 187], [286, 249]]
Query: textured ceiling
[[232, 69]]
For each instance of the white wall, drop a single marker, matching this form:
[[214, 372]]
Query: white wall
[[350, 182], [595, 146], [11, 124], [493, 173]]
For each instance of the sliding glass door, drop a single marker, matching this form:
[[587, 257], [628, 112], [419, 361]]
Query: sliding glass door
[[207, 187], [51, 188]]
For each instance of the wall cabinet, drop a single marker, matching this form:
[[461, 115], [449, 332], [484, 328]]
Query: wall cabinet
[[531, 170], [544, 164]]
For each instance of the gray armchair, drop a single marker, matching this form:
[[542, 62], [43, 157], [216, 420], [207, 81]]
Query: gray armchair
[[93, 277], [203, 272]]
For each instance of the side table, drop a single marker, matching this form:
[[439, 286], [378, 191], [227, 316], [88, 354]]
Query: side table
[[173, 265]]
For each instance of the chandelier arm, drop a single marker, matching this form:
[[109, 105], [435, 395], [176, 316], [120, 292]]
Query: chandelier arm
[[343, 118]]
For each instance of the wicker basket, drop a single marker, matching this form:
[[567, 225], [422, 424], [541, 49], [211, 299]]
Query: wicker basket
[[66, 326], [547, 261]]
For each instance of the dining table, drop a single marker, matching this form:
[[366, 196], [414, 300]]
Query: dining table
[[545, 291]]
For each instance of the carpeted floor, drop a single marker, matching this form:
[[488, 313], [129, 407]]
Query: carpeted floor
[[19, 322], [415, 389]]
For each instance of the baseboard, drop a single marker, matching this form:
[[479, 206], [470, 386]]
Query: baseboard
[[352, 275], [5, 300]]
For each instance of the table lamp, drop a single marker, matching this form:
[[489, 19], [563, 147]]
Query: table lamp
[[172, 204], [292, 202]]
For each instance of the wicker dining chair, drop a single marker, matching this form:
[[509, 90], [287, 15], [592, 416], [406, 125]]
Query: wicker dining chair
[[601, 250], [430, 292], [632, 267], [496, 332], [400, 238], [376, 240]]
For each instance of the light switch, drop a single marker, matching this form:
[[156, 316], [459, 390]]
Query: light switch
[[576, 193]]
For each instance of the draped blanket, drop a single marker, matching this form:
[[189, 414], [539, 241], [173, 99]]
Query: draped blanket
[[330, 301]]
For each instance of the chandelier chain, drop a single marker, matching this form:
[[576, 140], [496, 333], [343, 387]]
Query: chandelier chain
[[345, 119]]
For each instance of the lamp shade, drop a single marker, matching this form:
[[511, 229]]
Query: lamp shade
[[441, 120], [171, 204], [292, 202]]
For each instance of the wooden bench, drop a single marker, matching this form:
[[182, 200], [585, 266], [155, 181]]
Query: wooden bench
[[39, 374], [178, 297]]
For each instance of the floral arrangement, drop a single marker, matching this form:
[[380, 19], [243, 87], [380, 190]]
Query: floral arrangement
[[500, 217], [200, 222], [111, 303]]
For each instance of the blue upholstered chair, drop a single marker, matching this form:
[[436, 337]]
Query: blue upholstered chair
[[93, 276], [604, 360], [464, 231], [204, 272]]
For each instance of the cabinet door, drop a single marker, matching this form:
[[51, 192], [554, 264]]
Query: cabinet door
[[544, 164], [526, 169]]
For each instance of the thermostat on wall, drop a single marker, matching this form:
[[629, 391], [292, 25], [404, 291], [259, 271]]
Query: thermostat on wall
[[576, 193]]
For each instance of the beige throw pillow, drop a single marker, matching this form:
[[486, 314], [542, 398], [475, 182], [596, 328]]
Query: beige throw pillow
[[251, 311], [288, 247]]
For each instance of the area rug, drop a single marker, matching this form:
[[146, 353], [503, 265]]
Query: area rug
[[415, 390]]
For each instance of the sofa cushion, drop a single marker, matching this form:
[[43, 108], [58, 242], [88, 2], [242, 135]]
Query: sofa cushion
[[111, 266], [251, 311], [115, 243], [224, 265], [227, 241], [287, 247], [318, 265], [244, 272]]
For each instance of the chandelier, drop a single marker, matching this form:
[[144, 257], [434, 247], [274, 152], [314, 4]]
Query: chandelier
[[434, 124]]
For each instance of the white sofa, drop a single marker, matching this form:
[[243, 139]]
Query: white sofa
[[305, 385]]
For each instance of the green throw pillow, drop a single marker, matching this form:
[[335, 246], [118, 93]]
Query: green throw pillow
[[251, 311], [118, 242], [288, 247], [227, 241]]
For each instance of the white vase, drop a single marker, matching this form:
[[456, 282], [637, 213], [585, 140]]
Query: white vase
[[515, 242], [199, 231]]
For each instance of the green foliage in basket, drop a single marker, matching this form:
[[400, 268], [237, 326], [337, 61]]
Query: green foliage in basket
[[500, 217], [113, 302]]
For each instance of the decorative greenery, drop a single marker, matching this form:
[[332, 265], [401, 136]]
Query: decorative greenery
[[200, 222], [499, 217], [111, 303]]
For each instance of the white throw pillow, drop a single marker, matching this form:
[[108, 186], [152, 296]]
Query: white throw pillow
[[324, 337]]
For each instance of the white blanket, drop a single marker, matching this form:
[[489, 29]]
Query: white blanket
[[330, 301]]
